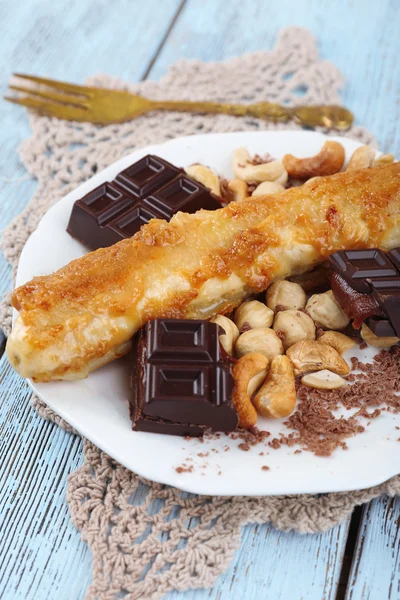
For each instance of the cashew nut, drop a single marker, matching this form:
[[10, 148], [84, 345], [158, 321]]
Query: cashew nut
[[253, 315], [277, 396], [362, 158], [383, 159], [326, 312], [375, 341], [294, 326], [310, 355], [285, 294], [282, 179], [228, 339], [323, 380], [263, 340], [243, 371], [205, 176], [328, 161], [244, 169], [256, 382], [237, 190], [268, 188], [337, 340]]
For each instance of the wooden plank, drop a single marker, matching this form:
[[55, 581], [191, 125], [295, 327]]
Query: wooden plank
[[375, 571], [362, 43], [41, 553]]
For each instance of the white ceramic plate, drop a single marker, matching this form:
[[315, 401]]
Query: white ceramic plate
[[98, 406]]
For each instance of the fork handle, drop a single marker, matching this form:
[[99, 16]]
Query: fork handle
[[261, 110]]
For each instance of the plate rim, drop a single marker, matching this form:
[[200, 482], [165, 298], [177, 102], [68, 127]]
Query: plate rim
[[171, 479]]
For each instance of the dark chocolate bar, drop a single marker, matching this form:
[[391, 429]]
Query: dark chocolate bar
[[149, 189], [366, 283], [358, 266], [182, 384]]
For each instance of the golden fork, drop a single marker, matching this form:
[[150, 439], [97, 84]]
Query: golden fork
[[102, 106]]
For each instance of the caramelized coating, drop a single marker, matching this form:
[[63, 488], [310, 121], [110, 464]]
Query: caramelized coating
[[195, 266]]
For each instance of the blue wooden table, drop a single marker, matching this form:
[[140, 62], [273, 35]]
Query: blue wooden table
[[41, 554]]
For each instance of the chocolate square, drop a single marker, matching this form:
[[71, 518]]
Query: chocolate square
[[182, 193], [183, 380], [147, 175], [394, 257], [91, 214], [129, 223], [381, 327], [182, 340]]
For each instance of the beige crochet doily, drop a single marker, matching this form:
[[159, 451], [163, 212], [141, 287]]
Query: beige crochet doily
[[143, 551]]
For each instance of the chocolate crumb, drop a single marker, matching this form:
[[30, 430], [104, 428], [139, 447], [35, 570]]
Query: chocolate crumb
[[314, 425], [265, 468], [244, 447], [297, 452], [251, 436], [275, 444], [184, 469], [363, 345]]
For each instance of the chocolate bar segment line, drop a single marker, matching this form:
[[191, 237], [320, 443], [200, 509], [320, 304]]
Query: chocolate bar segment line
[[151, 188], [147, 175], [182, 381]]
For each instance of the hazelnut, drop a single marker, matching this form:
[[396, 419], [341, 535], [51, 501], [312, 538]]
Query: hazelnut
[[253, 315], [228, 339], [263, 340], [286, 294], [294, 326], [326, 312]]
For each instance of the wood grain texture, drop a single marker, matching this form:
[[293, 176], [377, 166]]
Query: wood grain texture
[[358, 37], [41, 555], [375, 572]]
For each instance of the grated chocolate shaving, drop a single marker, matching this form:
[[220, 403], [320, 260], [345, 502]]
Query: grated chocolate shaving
[[251, 436], [315, 427]]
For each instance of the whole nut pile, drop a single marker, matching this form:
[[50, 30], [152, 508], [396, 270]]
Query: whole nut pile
[[256, 176], [288, 335], [275, 341]]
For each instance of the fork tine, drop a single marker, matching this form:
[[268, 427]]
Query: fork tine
[[57, 85], [61, 98], [52, 109]]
